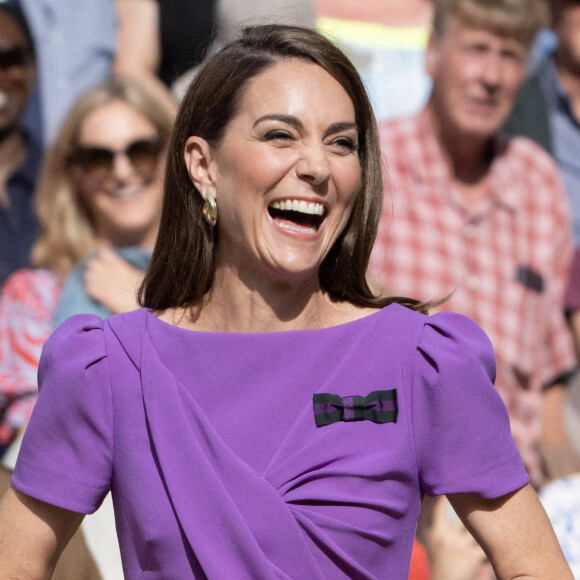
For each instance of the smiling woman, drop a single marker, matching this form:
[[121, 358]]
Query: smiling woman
[[221, 415], [306, 161], [283, 120]]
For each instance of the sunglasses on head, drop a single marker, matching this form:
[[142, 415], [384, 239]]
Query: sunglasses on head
[[143, 154], [15, 57]]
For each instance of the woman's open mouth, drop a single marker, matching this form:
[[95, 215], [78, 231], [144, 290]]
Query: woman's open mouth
[[127, 193], [297, 215]]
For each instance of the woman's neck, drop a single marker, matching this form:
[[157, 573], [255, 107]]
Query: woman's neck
[[237, 303], [251, 304]]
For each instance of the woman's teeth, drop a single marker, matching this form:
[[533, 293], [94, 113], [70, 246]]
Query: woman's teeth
[[126, 193], [298, 206], [297, 215], [297, 228]]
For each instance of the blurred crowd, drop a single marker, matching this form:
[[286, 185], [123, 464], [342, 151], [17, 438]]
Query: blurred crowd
[[479, 123]]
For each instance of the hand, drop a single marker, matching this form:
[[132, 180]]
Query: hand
[[453, 553], [112, 281]]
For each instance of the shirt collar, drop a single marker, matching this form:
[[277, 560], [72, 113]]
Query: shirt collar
[[505, 186], [432, 167]]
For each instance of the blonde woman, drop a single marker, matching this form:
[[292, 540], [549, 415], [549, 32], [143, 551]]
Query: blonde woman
[[100, 188], [98, 203]]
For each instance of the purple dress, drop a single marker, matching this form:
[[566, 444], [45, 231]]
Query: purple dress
[[210, 444]]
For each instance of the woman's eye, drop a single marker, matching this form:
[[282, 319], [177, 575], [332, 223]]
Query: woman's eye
[[277, 136], [345, 144]]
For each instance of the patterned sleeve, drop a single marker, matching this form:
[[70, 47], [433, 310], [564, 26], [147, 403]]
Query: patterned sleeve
[[66, 453], [27, 303], [460, 424]]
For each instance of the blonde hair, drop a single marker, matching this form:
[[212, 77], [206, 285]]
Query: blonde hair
[[518, 18], [67, 228]]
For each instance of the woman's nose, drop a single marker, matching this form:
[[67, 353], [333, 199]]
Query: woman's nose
[[123, 169], [314, 165]]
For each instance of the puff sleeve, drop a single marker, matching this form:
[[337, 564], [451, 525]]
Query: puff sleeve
[[460, 424], [66, 454]]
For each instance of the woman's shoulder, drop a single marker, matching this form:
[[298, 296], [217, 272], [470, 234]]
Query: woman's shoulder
[[347, 312], [442, 338], [84, 349], [402, 318], [453, 347], [434, 329], [455, 328], [79, 336], [74, 359], [91, 328]]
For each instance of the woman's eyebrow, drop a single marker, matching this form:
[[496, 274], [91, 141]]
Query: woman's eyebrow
[[288, 119], [341, 126], [295, 122]]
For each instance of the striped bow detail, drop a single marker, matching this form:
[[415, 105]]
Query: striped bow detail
[[378, 406]]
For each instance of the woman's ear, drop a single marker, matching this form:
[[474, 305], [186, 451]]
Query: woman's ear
[[199, 161]]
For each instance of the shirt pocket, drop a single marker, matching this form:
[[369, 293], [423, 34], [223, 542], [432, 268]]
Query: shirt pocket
[[523, 326]]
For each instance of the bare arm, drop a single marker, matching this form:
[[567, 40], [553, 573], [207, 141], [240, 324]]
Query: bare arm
[[32, 536], [516, 535], [139, 47]]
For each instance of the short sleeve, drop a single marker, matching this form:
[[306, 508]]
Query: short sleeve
[[460, 424], [66, 454]]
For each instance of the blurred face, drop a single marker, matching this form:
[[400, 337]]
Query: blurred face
[[476, 77], [17, 73], [117, 168], [286, 172], [567, 29]]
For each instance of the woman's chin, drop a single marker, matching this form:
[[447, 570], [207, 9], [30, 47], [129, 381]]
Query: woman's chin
[[296, 271]]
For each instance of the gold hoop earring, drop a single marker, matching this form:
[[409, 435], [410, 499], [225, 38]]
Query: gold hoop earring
[[209, 210]]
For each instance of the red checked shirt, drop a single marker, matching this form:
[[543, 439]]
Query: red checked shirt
[[506, 263]]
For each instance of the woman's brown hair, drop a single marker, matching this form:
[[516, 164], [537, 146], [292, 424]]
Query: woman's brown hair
[[182, 267]]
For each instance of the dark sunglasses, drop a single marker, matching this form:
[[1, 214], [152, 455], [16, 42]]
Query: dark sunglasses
[[15, 57], [98, 161]]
